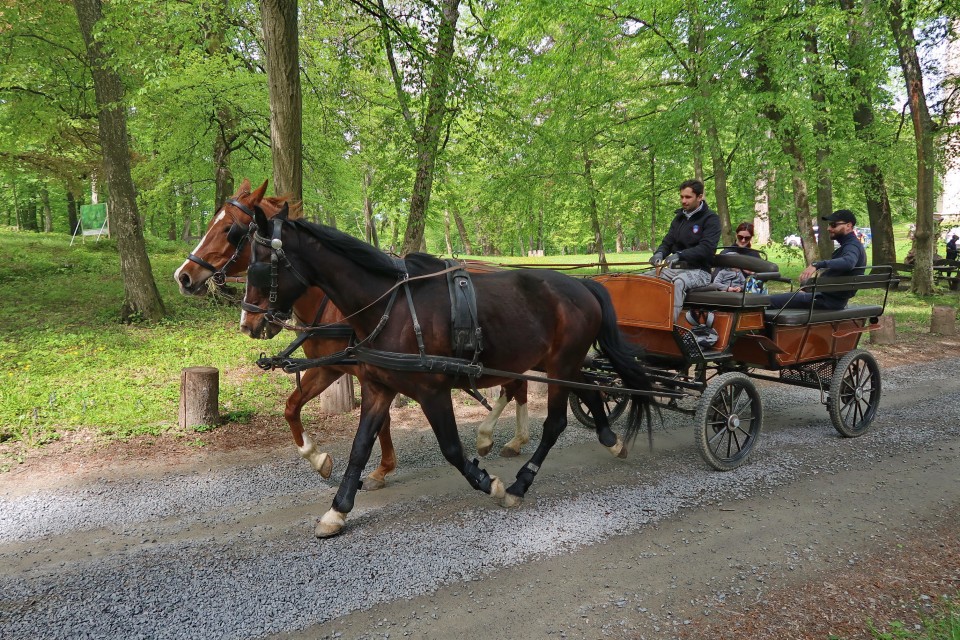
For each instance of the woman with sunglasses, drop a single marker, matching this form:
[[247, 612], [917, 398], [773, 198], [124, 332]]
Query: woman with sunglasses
[[732, 279]]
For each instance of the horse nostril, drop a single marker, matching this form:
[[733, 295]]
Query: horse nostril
[[185, 279]]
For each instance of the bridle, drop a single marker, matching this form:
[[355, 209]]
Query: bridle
[[256, 272], [237, 235]]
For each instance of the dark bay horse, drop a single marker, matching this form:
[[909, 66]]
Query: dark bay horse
[[530, 319], [221, 253]]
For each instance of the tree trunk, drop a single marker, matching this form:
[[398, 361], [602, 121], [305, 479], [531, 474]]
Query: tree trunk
[[446, 231], [593, 210], [761, 211], [47, 213], [222, 144], [283, 78], [874, 185], [924, 240], [186, 209], [653, 201], [720, 183], [821, 133], [72, 218], [142, 299], [369, 224], [462, 230], [798, 165], [428, 140]]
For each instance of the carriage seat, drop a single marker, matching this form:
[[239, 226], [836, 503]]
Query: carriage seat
[[726, 299], [798, 317]]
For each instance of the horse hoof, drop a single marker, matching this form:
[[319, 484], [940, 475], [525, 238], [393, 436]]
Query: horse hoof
[[507, 452], [330, 524], [373, 483], [497, 490], [325, 465], [484, 450], [511, 501], [619, 450]]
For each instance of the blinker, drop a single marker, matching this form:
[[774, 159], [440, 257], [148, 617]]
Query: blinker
[[258, 275]]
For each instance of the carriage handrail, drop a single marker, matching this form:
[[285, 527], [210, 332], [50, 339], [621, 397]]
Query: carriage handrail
[[880, 277]]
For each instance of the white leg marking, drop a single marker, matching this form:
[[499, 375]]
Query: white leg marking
[[497, 490], [320, 461], [330, 524], [522, 434], [485, 430], [510, 501], [618, 450]]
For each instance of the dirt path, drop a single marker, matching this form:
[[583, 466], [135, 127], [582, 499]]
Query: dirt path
[[815, 536]]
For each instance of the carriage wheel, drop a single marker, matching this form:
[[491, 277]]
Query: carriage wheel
[[729, 418], [854, 393], [614, 404]]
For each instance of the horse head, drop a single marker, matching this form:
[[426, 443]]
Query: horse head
[[219, 253], [273, 282]]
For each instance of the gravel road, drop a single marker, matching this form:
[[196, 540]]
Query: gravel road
[[601, 547]]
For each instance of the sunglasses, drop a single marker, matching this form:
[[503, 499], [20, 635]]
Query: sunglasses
[[837, 224], [744, 238]]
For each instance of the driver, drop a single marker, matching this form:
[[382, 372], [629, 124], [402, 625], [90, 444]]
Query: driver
[[692, 238]]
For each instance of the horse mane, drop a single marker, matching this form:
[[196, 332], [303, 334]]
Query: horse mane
[[368, 256]]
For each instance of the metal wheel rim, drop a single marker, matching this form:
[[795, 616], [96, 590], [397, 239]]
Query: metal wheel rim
[[731, 415], [856, 394]]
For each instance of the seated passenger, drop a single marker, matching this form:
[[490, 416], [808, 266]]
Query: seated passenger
[[692, 238], [848, 260], [731, 278]]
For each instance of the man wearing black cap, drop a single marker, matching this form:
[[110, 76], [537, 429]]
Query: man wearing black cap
[[848, 260]]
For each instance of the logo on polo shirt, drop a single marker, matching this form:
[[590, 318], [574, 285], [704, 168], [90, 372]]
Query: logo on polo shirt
[[696, 228]]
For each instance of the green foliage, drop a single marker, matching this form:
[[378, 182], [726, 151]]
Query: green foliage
[[71, 364], [942, 624]]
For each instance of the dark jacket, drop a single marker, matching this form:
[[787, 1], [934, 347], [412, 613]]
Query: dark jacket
[[848, 260], [695, 239]]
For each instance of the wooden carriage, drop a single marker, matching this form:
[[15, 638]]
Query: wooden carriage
[[804, 347]]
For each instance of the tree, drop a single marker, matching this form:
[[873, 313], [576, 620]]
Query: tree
[[286, 111], [924, 240], [431, 75], [142, 299]]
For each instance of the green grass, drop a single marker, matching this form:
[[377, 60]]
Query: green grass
[[942, 624], [70, 364]]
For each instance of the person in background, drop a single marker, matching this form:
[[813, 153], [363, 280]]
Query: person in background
[[731, 278], [952, 247], [849, 259], [692, 239]]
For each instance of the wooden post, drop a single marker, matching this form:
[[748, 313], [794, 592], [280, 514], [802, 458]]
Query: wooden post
[[887, 333], [338, 398], [943, 320], [199, 397]]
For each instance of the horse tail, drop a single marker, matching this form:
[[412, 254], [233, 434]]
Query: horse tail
[[626, 359]]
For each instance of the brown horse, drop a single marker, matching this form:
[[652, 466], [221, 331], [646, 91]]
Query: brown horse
[[530, 319], [222, 252]]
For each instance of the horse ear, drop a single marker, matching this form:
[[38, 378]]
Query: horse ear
[[257, 195], [244, 186], [259, 217], [284, 212]]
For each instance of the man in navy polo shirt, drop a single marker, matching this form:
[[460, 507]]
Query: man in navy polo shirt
[[692, 239], [848, 260]]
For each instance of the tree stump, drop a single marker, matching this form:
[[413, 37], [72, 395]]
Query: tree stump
[[199, 397], [887, 333], [338, 398], [943, 320]]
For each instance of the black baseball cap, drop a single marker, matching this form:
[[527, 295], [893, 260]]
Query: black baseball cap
[[842, 215]]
